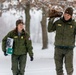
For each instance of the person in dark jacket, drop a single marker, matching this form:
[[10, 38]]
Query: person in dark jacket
[[21, 46], [65, 28]]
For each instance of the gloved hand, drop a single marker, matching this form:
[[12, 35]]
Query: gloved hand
[[5, 53], [31, 58]]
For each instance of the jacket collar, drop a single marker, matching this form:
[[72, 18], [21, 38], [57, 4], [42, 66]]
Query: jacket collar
[[69, 22], [65, 20], [16, 31]]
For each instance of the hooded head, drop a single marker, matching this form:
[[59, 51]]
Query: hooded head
[[19, 21], [69, 11]]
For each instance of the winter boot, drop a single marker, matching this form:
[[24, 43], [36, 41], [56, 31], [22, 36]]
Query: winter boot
[[69, 74], [60, 74], [20, 73], [15, 74]]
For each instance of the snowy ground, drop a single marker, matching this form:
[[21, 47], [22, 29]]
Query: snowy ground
[[43, 63]]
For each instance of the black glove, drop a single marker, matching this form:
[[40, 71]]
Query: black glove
[[31, 58], [5, 53]]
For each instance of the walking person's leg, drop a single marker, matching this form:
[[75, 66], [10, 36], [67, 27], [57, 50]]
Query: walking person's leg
[[22, 64], [14, 60], [58, 57], [69, 62]]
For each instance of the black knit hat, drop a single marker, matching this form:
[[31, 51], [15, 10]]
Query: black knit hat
[[19, 21], [69, 11]]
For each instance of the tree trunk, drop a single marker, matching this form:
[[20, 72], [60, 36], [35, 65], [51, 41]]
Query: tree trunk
[[27, 22], [44, 31]]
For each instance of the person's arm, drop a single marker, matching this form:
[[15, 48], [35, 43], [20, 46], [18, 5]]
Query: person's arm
[[75, 27], [4, 40], [29, 45], [51, 25]]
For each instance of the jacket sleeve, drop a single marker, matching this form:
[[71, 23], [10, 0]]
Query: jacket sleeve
[[4, 42], [29, 45], [51, 25], [75, 28]]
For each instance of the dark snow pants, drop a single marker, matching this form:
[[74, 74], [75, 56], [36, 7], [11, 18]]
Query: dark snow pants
[[18, 64], [63, 56]]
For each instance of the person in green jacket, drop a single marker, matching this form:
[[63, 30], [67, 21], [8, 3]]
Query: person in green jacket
[[21, 46], [65, 28]]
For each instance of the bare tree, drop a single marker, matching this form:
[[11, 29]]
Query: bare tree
[[27, 9], [44, 30]]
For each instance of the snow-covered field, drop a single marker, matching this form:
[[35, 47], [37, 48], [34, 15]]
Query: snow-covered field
[[43, 63]]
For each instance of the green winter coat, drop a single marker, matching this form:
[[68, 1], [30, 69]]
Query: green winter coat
[[65, 32], [22, 44]]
